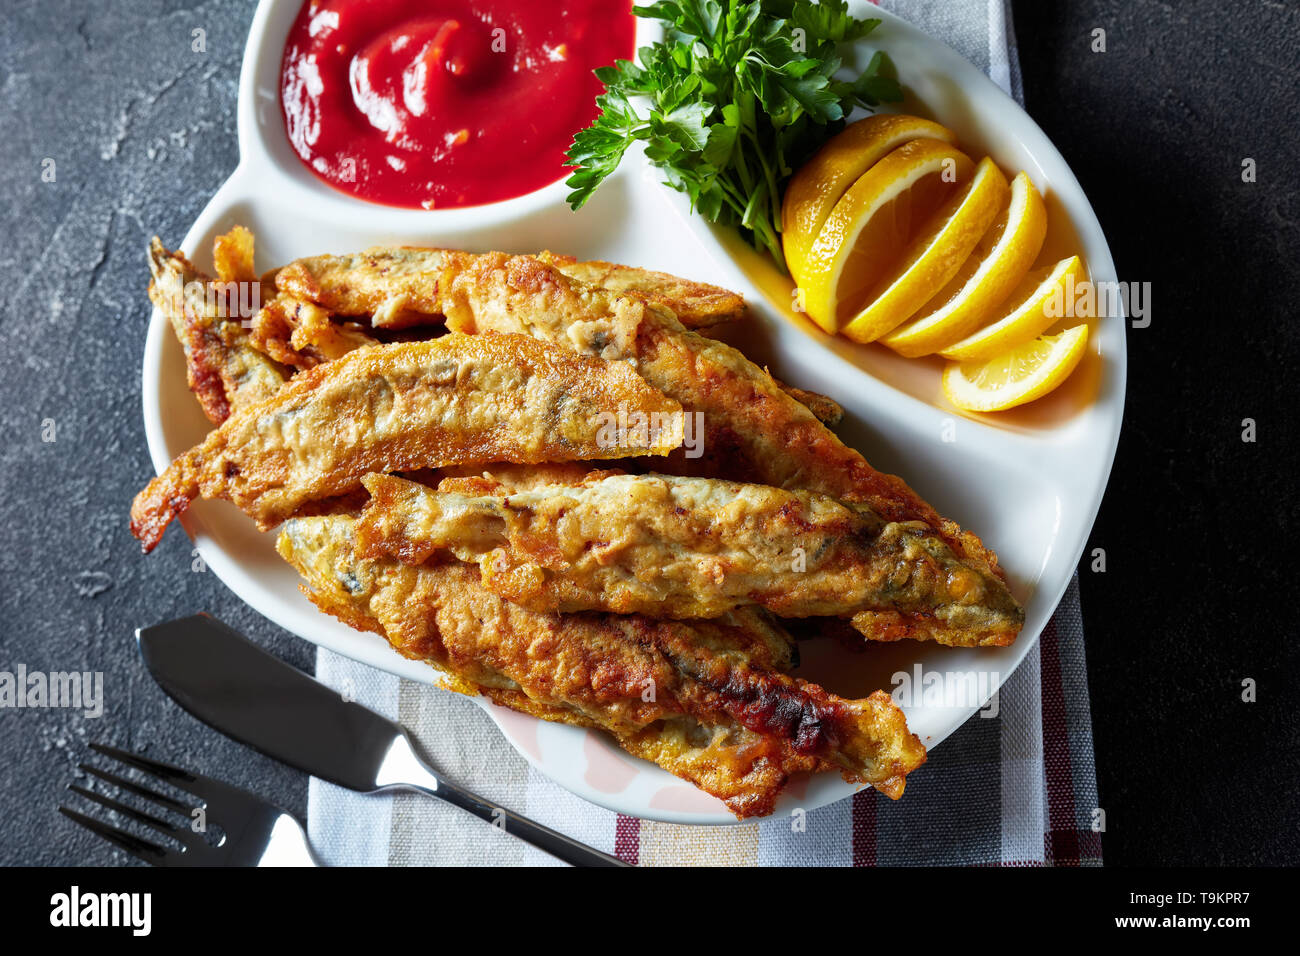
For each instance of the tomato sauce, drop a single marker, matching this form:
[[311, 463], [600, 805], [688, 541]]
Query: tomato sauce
[[442, 103]]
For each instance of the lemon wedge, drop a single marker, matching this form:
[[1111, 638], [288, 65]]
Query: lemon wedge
[[1017, 376], [933, 257], [992, 272], [820, 183], [1032, 309], [872, 222]]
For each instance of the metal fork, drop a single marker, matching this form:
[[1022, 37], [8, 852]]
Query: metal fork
[[253, 831]]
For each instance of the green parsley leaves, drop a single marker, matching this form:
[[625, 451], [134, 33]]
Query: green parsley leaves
[[740, 94]]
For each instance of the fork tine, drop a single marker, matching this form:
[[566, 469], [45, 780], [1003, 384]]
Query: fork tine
[[138, 848], [165, 771], [132, 787], [162, 826]]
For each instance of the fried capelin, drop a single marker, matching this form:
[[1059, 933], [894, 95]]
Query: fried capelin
[[700, 700], [451, 401], [697, 305], [224, 369], [398, 287], [689, 548], [752, 430]]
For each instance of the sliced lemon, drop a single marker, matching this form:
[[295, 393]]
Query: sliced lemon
[[933, 257], [870, 225], [984, 281], [818, 185], [1017, 376], [1033, 308]]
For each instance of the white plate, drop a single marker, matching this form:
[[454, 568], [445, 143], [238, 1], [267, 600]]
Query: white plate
[[1028, 482]]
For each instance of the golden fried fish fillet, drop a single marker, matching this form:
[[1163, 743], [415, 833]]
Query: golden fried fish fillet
[[398, 287], [690, 548], [503, 478], [228, 366], [696, 304], [753, 430], [224, 370], [299, 333], [454, 400], [699, 699]]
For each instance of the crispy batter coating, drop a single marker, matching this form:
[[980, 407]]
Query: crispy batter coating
[[828, 411], [753, 430], [690, 548], [508, 479], [301, 334], [699, 700], [224, 370], [232, 256], [399, 287], [697, 305], [454, 400]]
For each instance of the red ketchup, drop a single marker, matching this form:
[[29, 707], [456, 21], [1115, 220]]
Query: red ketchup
[[439, 103]]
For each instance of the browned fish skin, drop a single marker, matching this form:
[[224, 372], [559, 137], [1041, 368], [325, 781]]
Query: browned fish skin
[[454, 400], [717, 715], [754, 431], [223, 368], [689, 548], [697, 305], [399, 287], [773, 647]]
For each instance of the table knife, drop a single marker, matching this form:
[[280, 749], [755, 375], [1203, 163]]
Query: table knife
[[231, 684]]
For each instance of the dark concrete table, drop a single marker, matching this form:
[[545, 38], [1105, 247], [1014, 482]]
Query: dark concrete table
[[140, 130], [1197, 524]]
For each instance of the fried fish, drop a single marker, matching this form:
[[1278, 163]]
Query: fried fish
[[303, 335], [225, 371], [296, 330], [697, 305], [691, 548], [398, 287], [699, 700], [454, 400], [753, 431], [828, 411]]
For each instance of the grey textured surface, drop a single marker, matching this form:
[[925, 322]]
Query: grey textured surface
[[141, 130]]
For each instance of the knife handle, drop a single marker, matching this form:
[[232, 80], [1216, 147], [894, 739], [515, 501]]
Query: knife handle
[[403, 768]]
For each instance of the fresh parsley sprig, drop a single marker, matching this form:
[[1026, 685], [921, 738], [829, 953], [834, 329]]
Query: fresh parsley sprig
[[740, 94]]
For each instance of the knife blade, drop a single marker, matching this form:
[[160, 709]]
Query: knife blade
[[226, 681], [231, 684]]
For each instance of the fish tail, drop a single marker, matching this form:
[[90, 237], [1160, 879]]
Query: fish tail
[[165, 498]]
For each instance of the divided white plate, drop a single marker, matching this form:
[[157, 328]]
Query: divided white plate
[[1028, 482]]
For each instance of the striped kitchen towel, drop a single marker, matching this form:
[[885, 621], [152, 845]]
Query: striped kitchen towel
[[1017, 789]]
